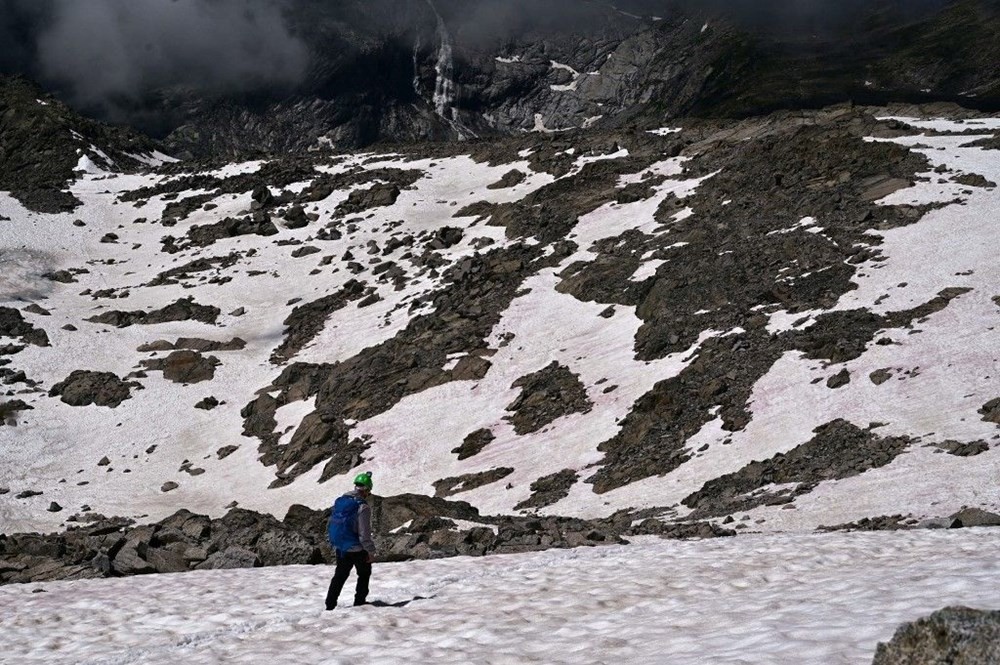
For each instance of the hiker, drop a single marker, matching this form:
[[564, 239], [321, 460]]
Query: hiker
[[350, 534]]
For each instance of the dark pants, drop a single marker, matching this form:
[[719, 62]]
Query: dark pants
[[346, 561]]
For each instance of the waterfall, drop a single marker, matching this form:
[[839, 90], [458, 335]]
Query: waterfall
[[444, 86], [416, 66]]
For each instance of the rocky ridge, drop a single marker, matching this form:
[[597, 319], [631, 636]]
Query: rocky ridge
[[43, 143], [407, 527]]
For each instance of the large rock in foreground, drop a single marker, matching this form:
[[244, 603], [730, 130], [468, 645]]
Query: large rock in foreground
[[952, 636]]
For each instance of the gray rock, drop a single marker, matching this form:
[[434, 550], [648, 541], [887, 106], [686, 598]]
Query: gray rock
[[281, 548], [952, 636], [207, 404], [839, 449], [185, 366], [232, 557], [185, 309], [166, 561], [842, 378], [226, 451], [549, 489], [129, 562], [974, 517], [9, 411], [474, 443], [195, 554], [305, 251], [12, 324], [295, 217], [470, 481], [169, 535], [547, 395], [991, 411], [83, 388], [963, 448]]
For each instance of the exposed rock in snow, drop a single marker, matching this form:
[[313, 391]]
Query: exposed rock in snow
[[959, 635], [83, 387], [665, 314]]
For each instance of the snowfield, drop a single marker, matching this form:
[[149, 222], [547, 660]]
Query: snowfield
[[753, 600], [942, 372]]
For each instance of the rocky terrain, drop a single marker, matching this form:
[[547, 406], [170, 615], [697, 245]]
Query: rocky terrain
[[406, 527], [43, 145], [558, 277], [746, 322]]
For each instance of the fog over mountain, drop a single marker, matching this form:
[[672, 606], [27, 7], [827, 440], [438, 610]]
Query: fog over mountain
[[110, 52]]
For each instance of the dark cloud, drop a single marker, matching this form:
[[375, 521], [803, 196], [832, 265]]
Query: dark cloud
[[806, 16], [101, 50], [484, 22], [19, 22]]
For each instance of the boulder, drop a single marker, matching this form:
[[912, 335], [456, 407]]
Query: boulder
[[285, 547], [952, 636], [9, 411], [166, 561], [129, 562], [991, 411], [474, 443], [185, 366], [295, 217], [83, 388], [184, 309], [232, 557], [12, 324], [262, 194], [974, 517]]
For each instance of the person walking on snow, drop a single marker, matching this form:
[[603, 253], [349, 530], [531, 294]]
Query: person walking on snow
[[350, 534]]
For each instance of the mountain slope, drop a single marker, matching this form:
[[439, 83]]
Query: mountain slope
[[43, 143], [771, 321]]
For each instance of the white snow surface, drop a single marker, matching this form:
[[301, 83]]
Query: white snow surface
[[943, 371], [777, 599]]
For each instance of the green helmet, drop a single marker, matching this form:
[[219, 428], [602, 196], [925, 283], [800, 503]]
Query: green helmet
[[364, 480]]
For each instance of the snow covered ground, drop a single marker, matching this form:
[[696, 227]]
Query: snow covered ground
[[942, 374], [753, 600]]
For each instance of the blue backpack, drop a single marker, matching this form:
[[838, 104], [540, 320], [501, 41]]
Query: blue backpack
[[343, 529]]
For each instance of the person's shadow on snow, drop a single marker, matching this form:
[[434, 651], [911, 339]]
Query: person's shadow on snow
[[402, 603]]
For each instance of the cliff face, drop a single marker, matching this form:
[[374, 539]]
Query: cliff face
[[446, 70]]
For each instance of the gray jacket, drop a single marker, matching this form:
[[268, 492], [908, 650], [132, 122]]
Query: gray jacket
[[364, 526]]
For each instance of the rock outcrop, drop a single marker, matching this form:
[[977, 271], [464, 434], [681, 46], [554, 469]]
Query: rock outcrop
[[405, 527], [953, 635], [84, 387]]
